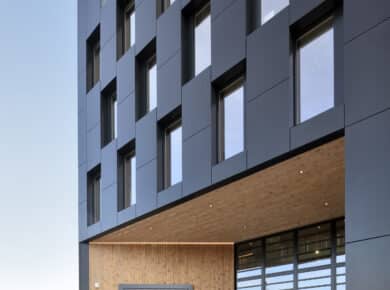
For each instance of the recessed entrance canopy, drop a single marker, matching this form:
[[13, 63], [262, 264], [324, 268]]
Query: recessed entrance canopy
[[302, 190]]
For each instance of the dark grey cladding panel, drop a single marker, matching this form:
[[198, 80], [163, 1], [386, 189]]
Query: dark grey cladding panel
[[107, 21], [229, 167], [146, 188], [218, 6], [197, 162], [108, 62], [361, 15], [169, 33], [93, 147], [109, 207], [108, 164], [93, 107], [94, 230], [170, 194], [82, 138], [146, 141], [83, 232], [196, 99], [83, 266], [267, 125], [145, 23], [169, 86], [300, 8], [126, 215], [82, 183], [268, 55], [93, 15], [367, 178], [126, 74], [126, 120], [368, 264], [228, 41], [367, 71], [318, 127]]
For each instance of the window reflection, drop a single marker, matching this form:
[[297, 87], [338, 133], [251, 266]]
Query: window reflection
[[151, 81], [269, 8], [300, 259], [176, 156], [231, 120], [315, 72], [202, 49]]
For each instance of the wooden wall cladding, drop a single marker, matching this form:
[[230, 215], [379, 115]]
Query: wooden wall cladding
[[204, 267]]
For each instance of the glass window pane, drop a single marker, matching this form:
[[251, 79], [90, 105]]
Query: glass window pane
[[269, 8], [202, 40], [115, 118], [132, 28], [152, 86], [315, 60], [314, 274], [176, 156], [133, 181], [233, 106]]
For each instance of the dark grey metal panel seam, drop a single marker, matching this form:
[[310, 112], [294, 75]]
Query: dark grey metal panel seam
[[196, 133], [367, 239], [269, 89], [366, 118], [367, 30]]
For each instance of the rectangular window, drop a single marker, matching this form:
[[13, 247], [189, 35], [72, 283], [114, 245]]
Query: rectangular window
[[309, 258], [151, 84], [172, 154], [231, 120], [109, 115], [314, 75], [93, 59], [127, 180], [269, 8], [202, 39], [125, 26], [93, 196]]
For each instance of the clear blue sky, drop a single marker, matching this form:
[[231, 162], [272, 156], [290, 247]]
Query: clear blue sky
[[38, 145]]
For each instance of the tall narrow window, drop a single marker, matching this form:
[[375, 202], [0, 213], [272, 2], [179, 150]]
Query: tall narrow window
[[93, 196], [151, 84], [314, 80], [109, 114], [127, 180], [126, 26], [93, 59], [231, 120], [202, 39], [269, 8], [172, 154]]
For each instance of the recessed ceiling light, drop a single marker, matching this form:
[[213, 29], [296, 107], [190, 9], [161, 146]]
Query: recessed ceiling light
[[317, 252], [300, 171], [150, 228], [211, 205], [97, 285], [326, 204]]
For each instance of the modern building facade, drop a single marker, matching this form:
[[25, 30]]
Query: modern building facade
[[234, 144]]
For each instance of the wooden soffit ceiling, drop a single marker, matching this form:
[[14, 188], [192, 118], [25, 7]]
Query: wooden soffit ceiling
[[302, 190]]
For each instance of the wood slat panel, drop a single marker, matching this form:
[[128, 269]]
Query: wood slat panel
[[204, 267]]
